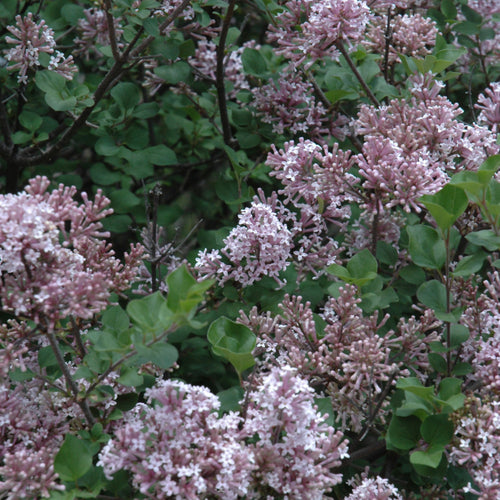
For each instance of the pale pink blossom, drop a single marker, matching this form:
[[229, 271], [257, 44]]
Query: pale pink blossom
[[489, 104], [54, 261], [410, 34], [311, 29], [94, 31], [177, 446], [295, 450], [289, 106], [376, 488], [30, 40]]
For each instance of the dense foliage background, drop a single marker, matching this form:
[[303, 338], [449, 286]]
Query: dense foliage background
[[249, 249]]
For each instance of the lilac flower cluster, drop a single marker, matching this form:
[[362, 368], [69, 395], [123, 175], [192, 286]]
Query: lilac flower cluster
[[311, 29], [489, 105], [350, 359], [32, 427], [296, 449], [289, 105], [411, 147], [376, 488], [259, 246], [30, 40], [94, 31], [54, 261], [205, 63], [477, 445], [410, 34], [177, 445]]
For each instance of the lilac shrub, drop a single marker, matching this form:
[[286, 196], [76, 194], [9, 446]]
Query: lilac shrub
[[316, 186]]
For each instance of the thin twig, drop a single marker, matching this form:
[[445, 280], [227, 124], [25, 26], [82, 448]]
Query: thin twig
[[111, 31], [82, 403], [357, 74], [219, 74]]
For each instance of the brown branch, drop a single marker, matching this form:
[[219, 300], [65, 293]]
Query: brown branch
[[219, 74], [357, 74], [111, 30]]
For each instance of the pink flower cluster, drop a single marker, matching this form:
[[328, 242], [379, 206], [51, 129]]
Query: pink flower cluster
[[350, 359], [178, 446], [376, 488], [30, 40], [32, 427], [411, 147], [311, 29], [94, 31], [489, 105], [289, 106], [295, 449], [205, 62], [410, 34], [259, 246], [312, 174], [477, 446], [54, 261]]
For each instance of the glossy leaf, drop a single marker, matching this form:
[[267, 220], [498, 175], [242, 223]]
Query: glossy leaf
[[234, 342], [73, 459]]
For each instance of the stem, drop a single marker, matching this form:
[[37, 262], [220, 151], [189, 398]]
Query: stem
[[111, 31], [219, 74], [388, 39], [448, 307], [357, 74], [82, 403]]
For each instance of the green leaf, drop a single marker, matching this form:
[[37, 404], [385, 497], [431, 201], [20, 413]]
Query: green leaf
[[458, 334], [253, 63], [30, 121], [150, 313], [403, 432], [129, 377], [184, 293], [448, 9], [100, 174], [437, 362], [433, 295], [461, 369], [106, 146], [124, 201], [174, 73], [234, 342], [49, 81], [426, 246], [437, 430], [115, 318], [446, 205], [160, 155], [486, 238], [449, 387], [73, 459], [230, 399], [127, 95], [58, 101], [429, 458], [361, 269], [413, 385], [470, 264], [163, 355]]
